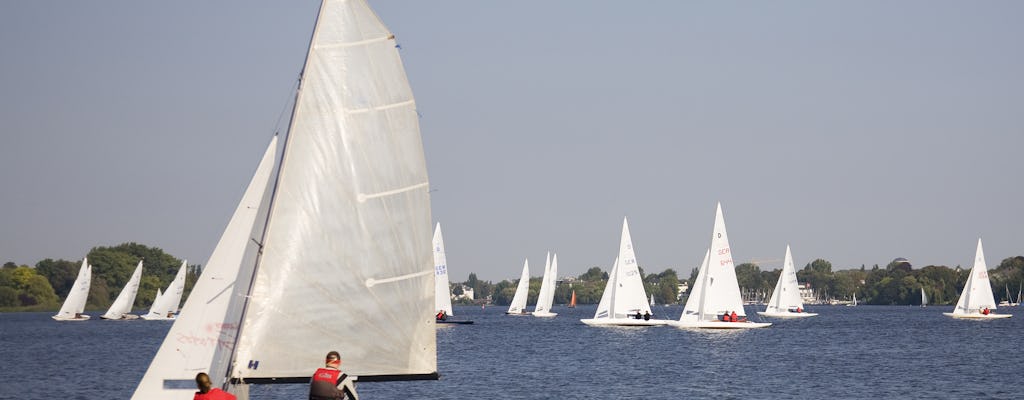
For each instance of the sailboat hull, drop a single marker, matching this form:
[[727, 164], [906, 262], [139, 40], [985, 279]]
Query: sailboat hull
[[786, 315], [623, 322], [977, 316], [121, 318], [544, 314], [157, 318], [82, 318], [719, 325], [524, 313]]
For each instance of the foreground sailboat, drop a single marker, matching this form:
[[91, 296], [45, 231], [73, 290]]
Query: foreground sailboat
[[716, 293], [547, 289], [165, 305], [74, 304], [624, 301], [122, 307], [786, 301], [518, 306], [442, 292], [335, 254], [976, 301]]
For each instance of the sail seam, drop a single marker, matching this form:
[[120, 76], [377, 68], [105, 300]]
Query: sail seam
[[363, 197], [353, 44], [373, 282], [380, 108]]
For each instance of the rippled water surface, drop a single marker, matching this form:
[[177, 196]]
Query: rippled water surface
[[845, 352]]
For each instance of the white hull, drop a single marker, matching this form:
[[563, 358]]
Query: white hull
[[786, 315], [977, 316], [122, 318], [157, 318], [719, 325], [524, 313], [623, 322], [82, 318], [544, 314]]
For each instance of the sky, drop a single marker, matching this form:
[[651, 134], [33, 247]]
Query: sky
[[856, 132]]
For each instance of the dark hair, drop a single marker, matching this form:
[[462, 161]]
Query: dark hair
[[203, 382], [334, 354]]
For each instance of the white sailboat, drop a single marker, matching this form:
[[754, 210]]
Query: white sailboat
[[122, 307], [976, 300], [518, 306], [924, 298], [716, 291], [74, 304], [854, 302], [165, 306], [547, 289], [335, 254], [442, 292], [624, 296], [652, 299], [786, 301]]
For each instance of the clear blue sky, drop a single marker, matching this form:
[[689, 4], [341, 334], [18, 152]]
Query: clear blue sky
[[853, 131]]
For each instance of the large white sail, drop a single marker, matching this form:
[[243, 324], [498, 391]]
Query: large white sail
[[719, 291], [442, 293], [522, 291], [786, 296], [203, 336], [166, 304], [123, 304], [74, 303], [345, 263], [977, 293]]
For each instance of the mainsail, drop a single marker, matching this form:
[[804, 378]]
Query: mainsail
[[442, 293], [547, 288], [123, 304], [718, 291], [522, 291], [343, 261]]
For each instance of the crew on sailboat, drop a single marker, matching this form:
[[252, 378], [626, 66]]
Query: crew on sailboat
[[207, 392], [325, 381], [441, 315], [985, 311]]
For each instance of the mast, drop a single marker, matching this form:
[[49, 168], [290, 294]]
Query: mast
[[277, 179]]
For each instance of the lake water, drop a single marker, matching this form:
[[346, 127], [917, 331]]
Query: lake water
[[845, 352]]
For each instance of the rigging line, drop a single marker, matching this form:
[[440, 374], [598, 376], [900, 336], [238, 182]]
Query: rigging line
[[288, 105]]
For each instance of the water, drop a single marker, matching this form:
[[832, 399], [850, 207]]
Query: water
[[845, 352]]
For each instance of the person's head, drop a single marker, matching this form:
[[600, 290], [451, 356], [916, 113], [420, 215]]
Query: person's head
[[203, 382], [333, 359]]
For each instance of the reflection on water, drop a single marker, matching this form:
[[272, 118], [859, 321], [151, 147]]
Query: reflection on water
[[846, 352]]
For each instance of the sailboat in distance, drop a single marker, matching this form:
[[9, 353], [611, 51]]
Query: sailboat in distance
[[716, 293], [166, 304], [332, 250], [924, 298], [442, 292], [518, 306], [624, 298], [74, 304], [122, 307], [546, 298], [786, 301], [976, 300]]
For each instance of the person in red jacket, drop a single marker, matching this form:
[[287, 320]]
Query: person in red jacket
[[734, 317], [325, 381], [206, 392]]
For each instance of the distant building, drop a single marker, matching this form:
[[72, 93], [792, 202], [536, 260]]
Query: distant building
[[683, 287], [807, 294], [467, 293]]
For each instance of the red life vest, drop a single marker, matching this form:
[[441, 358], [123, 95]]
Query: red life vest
[[733, 317], [328, 375], [725, 317], [214, 394]]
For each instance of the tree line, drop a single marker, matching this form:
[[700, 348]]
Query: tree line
[[44, 286], [898, 283]]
